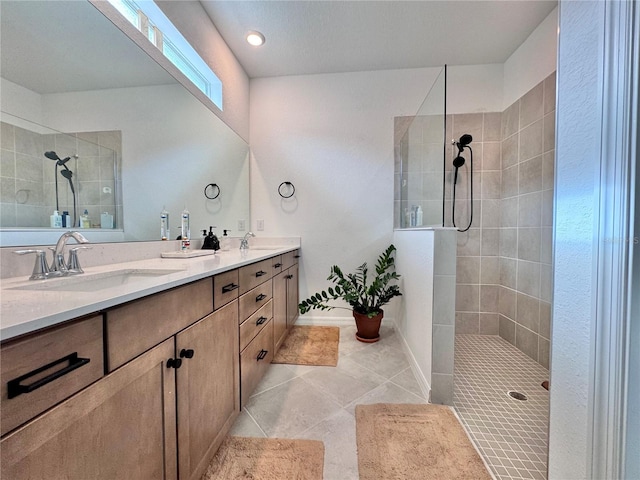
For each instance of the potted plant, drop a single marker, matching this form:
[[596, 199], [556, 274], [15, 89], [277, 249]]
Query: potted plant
[[366, 299]]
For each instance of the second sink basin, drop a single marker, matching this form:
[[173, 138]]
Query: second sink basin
[[96, 281]]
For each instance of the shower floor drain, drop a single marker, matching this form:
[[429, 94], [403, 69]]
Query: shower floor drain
[[517, 395]]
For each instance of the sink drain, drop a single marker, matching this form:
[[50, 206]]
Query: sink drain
[[517, 395]]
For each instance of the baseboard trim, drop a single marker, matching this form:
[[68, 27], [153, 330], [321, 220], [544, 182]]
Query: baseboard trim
[[425, 388]]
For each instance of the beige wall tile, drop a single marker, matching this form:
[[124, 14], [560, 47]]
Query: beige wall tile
[[470, 123], [492, 127], [444, 299], [468, 270], [490, 213], [530, 175], [507, 302], [548, 167], [529, 244], [489, 298], [442, 358], [511, 120], [528, 312], [547, 208], [490, 242], [529, 278], [508, 272], [550, 93], [467, 298], [489, 324], [509, 242], [467, 323], [509, 151], [530, 141], [543, 352], [530, 210], [491, 156], [510, 182], [527, 342], [546, 244], [531, 107], [545, 320], [491, 184], [507, 329], [469, 243], [509, 212], [546, 282], [490, 270], [549, 132]]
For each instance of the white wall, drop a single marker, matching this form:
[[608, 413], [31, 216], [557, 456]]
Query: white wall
[[332, 136], [533, 61], [578, 133], [414, 259], [20, 101], [474, 88], [195, 25]]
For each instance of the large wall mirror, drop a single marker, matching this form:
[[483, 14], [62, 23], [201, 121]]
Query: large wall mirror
[[136, 140]]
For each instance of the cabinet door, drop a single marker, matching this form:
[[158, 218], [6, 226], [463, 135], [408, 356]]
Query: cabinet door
[[292, 295], [279, 309], [122, 426], [208, 388]]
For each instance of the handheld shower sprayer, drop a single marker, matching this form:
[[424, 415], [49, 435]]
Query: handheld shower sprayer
[[66, 173], [462, 143]]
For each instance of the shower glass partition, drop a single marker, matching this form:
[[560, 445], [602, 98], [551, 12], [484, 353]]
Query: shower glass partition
[[419, 151]]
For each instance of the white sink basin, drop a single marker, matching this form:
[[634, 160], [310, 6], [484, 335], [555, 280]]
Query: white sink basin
[[96, 281]]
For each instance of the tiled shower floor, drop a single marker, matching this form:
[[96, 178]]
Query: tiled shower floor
[[511, 434]]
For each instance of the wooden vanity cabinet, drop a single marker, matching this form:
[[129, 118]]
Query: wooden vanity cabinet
[[208, 388], [285, 298], [123, 426]]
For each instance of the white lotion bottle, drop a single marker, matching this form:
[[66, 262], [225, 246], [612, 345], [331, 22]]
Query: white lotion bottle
[[185, 231], [419, 216], [164, 224], [56, 219]]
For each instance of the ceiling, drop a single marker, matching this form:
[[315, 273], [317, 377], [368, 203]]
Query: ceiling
[[310, 36]]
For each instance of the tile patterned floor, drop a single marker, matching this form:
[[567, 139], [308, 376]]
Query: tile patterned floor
[[511, 434], [318, 403]]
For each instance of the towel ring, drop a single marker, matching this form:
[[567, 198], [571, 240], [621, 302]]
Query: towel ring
[[216, 191], [288, 184]]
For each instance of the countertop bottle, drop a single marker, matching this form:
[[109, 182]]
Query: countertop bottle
[[225, 241], [185, 231], [56, 219], [84, 220], [164, 225]]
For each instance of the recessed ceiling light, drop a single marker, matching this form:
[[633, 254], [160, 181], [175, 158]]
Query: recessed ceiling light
[[255, 38]]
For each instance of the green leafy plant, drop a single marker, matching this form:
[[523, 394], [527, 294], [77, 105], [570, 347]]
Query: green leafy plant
[[364, 298]]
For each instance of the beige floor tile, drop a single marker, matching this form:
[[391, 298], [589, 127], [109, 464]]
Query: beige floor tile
[[407, 380], [386, 393], [245, 426], [382, 359]]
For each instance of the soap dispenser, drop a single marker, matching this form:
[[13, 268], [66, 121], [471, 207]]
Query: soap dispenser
[[225, 243], [211, 241]]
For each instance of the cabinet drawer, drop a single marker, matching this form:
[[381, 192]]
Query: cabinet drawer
[[255, 323], [254, 360], [254, 299], [255, 274], [289, 259], [77, 349], [276, 264], [139, 325], [225, 288]]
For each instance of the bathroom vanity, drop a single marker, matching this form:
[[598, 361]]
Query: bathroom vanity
[[143, 379]]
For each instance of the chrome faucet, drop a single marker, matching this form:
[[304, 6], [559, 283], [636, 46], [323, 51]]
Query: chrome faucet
[[244, 243], [59, 264]]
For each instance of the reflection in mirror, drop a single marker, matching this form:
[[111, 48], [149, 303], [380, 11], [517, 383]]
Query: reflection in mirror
[[165, 145], [45, 171]]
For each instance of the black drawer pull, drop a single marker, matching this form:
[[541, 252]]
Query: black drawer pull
[[289, 277], [186, 353], [296, 256], [262, 354], [229, 288], [174, 363], [260, 273], [261, 320], [14, 388], [277, 265], [260, 297]]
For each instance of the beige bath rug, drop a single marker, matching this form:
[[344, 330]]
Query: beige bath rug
[[308, 345], [414, 442], [267, 459]]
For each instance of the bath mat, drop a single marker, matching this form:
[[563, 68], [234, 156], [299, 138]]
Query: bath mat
[[267, 459], [309, 345], [421, 442]]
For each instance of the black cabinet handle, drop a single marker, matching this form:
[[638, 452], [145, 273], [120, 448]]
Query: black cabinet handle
[[260, 297], [261, 320], [277, 265], [14, 388], [262, 354], [174, 363], [260, 273], [229, 288], [296, 256], [289, 277], [186, 353]]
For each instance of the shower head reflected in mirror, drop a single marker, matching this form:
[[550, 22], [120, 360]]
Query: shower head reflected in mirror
[[51, 155], [463, 142], [457, 163]]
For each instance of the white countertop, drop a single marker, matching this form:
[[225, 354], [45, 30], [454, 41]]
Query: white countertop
[[25, 311]]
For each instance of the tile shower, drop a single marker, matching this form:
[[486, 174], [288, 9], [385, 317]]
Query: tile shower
[[504, 260], [27, 177]]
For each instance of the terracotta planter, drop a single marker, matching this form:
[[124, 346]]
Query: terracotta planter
[[368, 328]]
